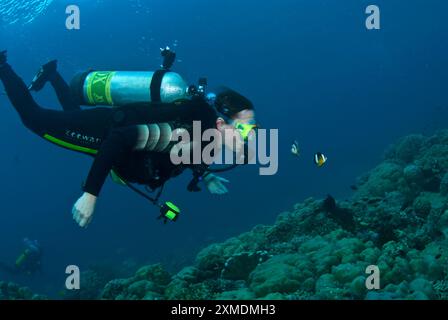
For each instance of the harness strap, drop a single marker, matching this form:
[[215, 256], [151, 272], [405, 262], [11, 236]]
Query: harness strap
[[156, 85]]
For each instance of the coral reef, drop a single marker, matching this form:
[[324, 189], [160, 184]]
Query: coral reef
[[397, 220], [12, 291], [94, 279], [148, 283]]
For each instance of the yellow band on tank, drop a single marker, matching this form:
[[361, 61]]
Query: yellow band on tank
[[20, 259], [99, 88]]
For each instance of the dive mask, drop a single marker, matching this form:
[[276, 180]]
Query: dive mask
[[244, 129]]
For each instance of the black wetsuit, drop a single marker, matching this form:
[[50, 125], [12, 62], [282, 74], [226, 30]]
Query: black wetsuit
[[108, 134]]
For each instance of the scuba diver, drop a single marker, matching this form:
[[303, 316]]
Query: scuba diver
[[132, 140], [29, 261]]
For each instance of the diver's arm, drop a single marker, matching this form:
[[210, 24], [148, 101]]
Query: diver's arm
[[119, 144]]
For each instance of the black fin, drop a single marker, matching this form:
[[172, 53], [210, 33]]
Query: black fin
[[3, 57], [43, 76]]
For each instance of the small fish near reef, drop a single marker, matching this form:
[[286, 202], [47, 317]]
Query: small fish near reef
[[295, 149], [320, 159]]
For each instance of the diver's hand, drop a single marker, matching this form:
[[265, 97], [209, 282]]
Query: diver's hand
[[215, 184], [83, 209]]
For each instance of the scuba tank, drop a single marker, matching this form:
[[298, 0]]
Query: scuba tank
[[21, 259], [121, 88]]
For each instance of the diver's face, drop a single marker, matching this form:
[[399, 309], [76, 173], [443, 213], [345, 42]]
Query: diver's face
[[231, 137], [245, 116]]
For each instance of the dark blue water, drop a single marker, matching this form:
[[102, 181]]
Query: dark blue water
[[311, 68]]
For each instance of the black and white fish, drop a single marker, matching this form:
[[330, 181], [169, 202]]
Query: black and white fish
[[320, 159], [295, 149]]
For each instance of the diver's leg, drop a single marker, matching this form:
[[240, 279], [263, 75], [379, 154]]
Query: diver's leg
[[63, 93], [49, 73], [18, 93], [81, 130], [45, 73]]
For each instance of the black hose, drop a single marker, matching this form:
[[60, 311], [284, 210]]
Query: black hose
[[228, 168], [144, 195]]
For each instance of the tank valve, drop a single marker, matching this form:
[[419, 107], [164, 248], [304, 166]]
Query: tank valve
[[169, 57]]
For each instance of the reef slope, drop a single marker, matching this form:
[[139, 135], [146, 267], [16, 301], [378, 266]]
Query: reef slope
[[397, 219]]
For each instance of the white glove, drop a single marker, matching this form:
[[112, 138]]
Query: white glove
[[83, 209], [215, 184]]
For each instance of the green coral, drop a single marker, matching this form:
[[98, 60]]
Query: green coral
[[407, 148], [12, 291], [154, 273], [282, 274], [148, 282], [387, 177], [241, 294], [239, 266]]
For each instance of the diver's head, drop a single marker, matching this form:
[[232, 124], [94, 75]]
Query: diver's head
[[234, 106], [237, 119]]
